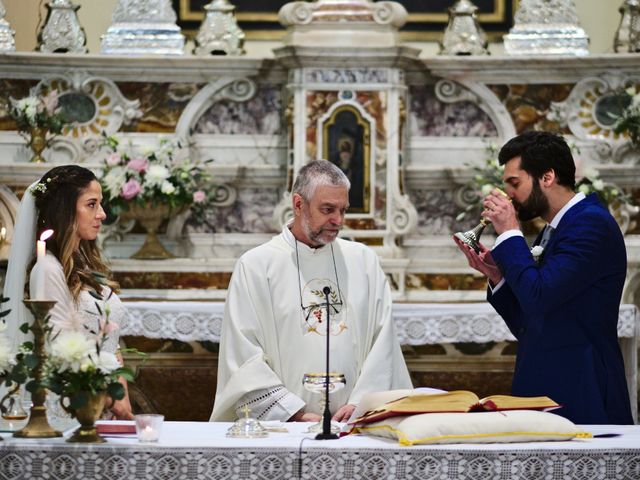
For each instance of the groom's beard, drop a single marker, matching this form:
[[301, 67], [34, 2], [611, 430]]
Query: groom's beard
[[536, 205]]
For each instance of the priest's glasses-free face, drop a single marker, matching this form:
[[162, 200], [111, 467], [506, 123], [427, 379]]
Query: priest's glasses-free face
[[315, 383]]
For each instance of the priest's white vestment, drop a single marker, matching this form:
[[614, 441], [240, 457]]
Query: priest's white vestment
[[274, 327]]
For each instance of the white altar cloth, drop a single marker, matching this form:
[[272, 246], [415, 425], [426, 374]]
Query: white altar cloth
[[191, 450], [416, 324]]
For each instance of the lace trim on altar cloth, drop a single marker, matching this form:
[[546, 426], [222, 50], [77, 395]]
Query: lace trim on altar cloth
[[278, 463]]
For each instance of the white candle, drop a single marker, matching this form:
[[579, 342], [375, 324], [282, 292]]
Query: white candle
[[148, 434], [41, 251]]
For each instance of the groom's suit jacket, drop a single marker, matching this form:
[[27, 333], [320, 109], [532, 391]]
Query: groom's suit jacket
[[563, 309]]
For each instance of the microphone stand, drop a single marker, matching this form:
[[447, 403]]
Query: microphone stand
[[326, 416]]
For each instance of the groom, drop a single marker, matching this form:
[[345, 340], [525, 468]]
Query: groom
[[562, 305]]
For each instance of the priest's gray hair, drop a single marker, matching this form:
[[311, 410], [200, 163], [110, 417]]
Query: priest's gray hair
[[319, 172]]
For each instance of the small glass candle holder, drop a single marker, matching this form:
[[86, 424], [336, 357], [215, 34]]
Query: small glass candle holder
[[148, 427]]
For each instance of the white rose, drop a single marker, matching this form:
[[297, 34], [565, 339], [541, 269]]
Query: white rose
[[537, 251], [71, 349], [631, 91], [584, 189], [107, 362], [598, 184], [157, 174], [167, 188]]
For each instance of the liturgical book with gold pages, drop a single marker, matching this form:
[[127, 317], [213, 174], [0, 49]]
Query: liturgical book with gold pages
[[458, 401]]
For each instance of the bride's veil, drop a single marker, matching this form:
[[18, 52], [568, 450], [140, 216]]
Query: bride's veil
[[22, 251]]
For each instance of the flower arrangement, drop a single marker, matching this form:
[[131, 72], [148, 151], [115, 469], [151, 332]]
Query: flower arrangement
[[608, 193], [77, 365], [38, 112], [629, 121], [161, 176], [485, 178]]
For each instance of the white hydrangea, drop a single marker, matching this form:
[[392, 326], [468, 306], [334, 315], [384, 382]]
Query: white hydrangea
[[157, 174], [7, 356], [71, 350], [114, 180], [29, 106]]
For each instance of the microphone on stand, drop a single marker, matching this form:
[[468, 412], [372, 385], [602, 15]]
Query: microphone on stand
[[326, 416]]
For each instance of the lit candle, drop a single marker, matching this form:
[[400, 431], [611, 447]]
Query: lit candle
[[41, 250], [148, 434]]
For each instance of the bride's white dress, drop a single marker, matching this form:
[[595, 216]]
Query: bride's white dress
[[83, 315]]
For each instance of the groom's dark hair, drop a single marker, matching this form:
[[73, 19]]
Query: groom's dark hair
[[540, 152]]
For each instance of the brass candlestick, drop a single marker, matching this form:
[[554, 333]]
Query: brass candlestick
[[38, 425]]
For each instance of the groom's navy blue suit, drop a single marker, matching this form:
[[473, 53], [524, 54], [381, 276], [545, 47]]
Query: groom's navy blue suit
[[564, 312]]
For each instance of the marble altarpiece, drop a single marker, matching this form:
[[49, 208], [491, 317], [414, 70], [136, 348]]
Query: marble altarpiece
[[419, 124]]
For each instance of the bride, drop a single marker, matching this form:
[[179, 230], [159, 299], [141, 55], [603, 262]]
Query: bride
[[67, 199]]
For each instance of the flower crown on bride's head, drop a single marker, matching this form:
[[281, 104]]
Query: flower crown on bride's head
[[40, 188]]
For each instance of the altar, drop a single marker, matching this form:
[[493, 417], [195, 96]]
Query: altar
[[188, 451], [416, 324]]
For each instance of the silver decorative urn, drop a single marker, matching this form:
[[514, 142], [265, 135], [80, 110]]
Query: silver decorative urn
[[463, 35], [219, 32], [143, 27], [7, 42], [546, 27], [62, 32]]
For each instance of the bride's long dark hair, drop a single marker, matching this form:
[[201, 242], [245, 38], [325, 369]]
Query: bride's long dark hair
[[56, 200]]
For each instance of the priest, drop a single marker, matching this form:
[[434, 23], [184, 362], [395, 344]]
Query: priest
[[275, 319]]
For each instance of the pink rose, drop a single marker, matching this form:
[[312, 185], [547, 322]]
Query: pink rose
[[113, 160], [138, 164], [50, 102], [199, 196], [130, 189], [107, 327]]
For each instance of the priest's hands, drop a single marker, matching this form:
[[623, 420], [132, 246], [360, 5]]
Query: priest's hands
[[482, 262], [344, 413], [302, 416]]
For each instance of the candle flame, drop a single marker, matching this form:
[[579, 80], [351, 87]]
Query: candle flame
[[46, 235]]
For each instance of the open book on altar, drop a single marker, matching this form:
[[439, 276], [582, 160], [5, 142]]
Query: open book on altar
[[458, 401]]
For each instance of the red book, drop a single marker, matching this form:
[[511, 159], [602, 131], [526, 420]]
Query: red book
[[116, 427]]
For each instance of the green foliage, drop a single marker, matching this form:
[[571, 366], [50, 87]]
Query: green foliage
[[629, 121]]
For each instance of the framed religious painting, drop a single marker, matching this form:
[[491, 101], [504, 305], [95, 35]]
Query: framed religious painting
[[346, 141], [426, 22]]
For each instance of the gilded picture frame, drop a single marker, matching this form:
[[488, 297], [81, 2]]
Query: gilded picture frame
[[426, 21]]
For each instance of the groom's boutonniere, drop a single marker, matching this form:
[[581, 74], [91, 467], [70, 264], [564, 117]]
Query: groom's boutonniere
[[537, 253]]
